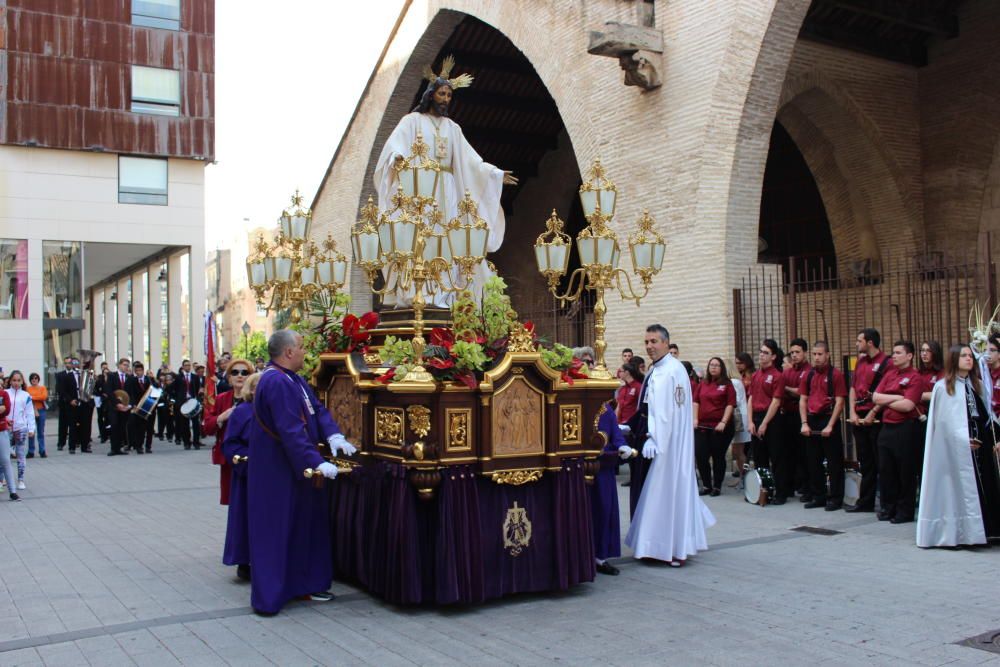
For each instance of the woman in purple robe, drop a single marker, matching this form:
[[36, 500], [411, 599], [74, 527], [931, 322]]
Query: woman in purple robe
[[289, 517], [604, 494], [235, 448]]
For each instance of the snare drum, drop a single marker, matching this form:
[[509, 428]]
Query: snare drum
[[191, 408], [758, 486], [148, 402], [852, 487]]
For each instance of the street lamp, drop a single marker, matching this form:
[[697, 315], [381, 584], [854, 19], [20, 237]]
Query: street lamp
[[246, 338], [600, 255], [294, 268]]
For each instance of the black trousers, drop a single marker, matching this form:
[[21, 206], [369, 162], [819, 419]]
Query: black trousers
[[710, 448], [897, 469], [831, 449], [140, 433], [774, 452], [67, 424], [164, 424], [81, 430], [793, 453], [866, 448], [102, 422], [118, 429]]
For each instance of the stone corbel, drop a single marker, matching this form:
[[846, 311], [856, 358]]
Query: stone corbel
[[637, 49]]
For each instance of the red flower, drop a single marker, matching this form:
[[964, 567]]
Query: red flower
[[369, 320], [386, 377], [442, 337], [441, 364], [350, 324], [529, 326]]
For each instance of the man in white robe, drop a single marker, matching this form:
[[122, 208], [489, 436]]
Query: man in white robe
[[670, 519], [462, 170]]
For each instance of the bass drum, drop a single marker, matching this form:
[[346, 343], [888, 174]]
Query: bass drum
[[852, 487], [758, 486]]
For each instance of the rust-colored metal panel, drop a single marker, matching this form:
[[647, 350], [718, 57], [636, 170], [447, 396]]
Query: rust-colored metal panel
[[69, 77]]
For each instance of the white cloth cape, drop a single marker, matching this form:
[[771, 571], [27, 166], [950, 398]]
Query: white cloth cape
[[468, 172], [949, 512], [670, 519], [742, 437]]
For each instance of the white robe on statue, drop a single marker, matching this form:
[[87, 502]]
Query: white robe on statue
[[670, 518], [949, 512], [463, 170]]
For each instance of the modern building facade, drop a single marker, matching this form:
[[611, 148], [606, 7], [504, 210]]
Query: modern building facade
[[106, 126]]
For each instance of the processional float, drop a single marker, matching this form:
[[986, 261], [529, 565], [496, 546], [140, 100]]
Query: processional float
[[462, 491]]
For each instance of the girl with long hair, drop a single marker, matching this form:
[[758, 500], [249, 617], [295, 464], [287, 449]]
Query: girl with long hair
[[714, 403]]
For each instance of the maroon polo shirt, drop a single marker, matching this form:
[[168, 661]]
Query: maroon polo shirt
[[765, 386], [864, 374], [905, 383], [712, 400], [5, 399], [817, 391], [930, 377], [793, 378], [995, 378]]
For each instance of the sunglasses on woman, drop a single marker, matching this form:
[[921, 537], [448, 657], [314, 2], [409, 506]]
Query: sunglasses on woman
[[240, 371]]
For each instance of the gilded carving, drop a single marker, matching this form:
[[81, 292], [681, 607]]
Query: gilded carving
[[520, 339], [517, 477], [516, 530], [420, 420], [569, 424], [459, 422], [344, 404], [372, 359], [518, 420], [389, 426]]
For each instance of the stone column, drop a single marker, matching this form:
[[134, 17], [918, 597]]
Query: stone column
[[154, 322], [198, 301], [174, 309], [110, 333], [98, 341], [139, 323], [122, 305]]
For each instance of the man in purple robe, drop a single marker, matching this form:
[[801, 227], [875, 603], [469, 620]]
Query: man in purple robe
[[604, 493], [289, 518]]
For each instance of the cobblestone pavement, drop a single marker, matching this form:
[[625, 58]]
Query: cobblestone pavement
[[117, 562]]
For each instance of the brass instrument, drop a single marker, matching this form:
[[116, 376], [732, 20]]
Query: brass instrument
[[122, 396], [88, 379]]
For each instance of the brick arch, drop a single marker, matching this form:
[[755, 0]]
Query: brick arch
[[771, 38], [868, 211]]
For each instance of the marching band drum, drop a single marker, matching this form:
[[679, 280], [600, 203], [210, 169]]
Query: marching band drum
[[147, 404]]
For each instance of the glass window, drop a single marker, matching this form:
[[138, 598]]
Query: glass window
[[13, 279], [157, 13], [156, 90], [142, 180], [62, 279]]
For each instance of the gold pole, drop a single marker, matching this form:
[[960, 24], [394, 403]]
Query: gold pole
[[600, 371]]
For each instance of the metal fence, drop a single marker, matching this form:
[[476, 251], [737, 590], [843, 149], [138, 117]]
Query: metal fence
[[917, 298]]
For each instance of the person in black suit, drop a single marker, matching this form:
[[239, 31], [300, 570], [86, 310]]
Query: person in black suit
[[102, 409], [66, 388], [140, 430], [118, 410], [185, 387]]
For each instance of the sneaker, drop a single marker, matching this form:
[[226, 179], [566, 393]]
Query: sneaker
[[43, 455], [324, 596], [20, 485], [30, 455], [14, 498], [3, 483]]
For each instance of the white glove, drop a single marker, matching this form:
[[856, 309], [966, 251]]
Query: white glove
[[338, 442], [624, 451], [624, 428], [328, 469], [649, 449]]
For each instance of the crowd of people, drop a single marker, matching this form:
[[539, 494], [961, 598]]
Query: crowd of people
[[787, 414], [132, 406]]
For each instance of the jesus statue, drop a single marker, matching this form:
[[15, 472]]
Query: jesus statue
[[462, 169]]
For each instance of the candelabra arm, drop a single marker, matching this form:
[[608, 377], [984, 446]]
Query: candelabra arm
[[630, 294], [572, 293]]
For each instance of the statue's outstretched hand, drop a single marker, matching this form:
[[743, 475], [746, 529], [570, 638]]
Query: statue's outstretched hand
[[509, 178]]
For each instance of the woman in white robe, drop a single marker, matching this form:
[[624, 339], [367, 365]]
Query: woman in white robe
[[960, 491]]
